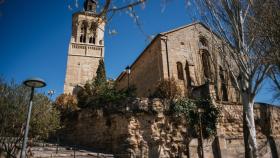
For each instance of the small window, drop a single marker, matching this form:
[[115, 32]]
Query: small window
[[180, 71], [92, 40], [203, 41], [100, 42], [83, 39], [223, 85], [93, 27], [206, 64], [84, 27], [188, 76], [90, 7]]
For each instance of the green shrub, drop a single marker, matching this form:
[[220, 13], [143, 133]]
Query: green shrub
[[100, 92], [167, 89], [66, 103], [14, 100], [93, 95], [100, 73], [189, 109]]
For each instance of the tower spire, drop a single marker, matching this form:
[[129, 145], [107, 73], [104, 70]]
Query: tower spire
[[90, 5]]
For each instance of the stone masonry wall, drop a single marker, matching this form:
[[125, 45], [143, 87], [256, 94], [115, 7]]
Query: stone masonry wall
[[142, 128], [146, 72], [230, 129]]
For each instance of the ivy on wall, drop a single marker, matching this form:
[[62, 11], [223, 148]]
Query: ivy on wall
[[189, 109]]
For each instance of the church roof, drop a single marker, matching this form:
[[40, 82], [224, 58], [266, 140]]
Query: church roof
[[188, 25], [93, 1], [184, 26]]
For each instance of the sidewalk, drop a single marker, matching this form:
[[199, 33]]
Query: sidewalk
[[50, 150]]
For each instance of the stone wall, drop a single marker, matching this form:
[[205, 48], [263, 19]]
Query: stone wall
[[146, 71], [144, 128], [80, 69], [230, 129]]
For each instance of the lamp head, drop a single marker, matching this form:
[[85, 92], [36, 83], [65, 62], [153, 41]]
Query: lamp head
[[35, 82], [127, 69]]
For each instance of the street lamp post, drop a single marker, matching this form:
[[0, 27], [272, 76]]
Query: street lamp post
[[32, 83], [128, 70], [51, 93], [200, 111]]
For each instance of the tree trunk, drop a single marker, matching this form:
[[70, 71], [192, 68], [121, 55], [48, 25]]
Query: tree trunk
[[249, 130], [248, 154], [273, 147]]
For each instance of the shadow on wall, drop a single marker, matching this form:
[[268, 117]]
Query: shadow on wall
[[266, 127]]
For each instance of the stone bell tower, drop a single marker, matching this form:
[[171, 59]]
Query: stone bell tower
[[86, 47]]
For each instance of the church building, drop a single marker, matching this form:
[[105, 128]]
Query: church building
[[189, 54]]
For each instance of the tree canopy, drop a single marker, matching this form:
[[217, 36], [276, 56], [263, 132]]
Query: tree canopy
[[14, 100]]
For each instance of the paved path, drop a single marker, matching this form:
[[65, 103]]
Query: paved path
[[49, 151]]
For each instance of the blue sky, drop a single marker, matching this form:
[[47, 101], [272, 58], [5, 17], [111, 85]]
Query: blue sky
[[34, 38]]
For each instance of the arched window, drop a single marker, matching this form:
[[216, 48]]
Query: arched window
[[180, 71], [188, 76], [82, 28], [92, 40], [83, 32], [223, 85], [93, 28], [90, 7], [206, 64], [92, 33], [83, 39], [203, 41]]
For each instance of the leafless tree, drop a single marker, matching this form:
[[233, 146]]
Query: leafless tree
[[266, 29], [247, 65]]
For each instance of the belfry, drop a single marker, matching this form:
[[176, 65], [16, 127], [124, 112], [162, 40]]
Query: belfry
[[86, 47]]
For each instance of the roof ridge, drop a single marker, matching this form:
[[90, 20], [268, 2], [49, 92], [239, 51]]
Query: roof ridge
[[184, 26]]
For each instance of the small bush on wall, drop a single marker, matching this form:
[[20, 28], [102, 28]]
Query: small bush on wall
[[167, 89], [92, 94], [66, 103], [100, 91], [189, 109]]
